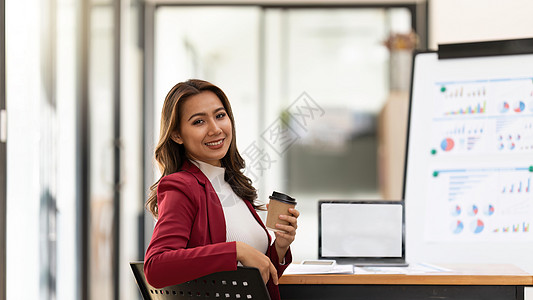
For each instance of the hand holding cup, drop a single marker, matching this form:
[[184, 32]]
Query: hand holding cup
[[282, 218], [279, 205]]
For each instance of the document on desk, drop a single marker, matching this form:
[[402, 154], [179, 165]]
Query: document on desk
[[379, 270], [318, 269], [412, 269]]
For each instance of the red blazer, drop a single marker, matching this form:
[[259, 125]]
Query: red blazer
[[189, 239]]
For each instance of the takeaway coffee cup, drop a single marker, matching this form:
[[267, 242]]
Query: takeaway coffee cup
[[279, 205]]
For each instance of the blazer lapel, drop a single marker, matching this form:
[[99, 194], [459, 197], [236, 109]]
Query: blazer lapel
[[215, 213]]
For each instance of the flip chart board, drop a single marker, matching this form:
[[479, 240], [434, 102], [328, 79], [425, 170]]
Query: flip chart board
[[469, 166]]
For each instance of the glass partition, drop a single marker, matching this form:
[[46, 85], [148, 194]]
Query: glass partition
[[101, 159], [41, 165]]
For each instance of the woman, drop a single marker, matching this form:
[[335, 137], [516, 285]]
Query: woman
[[203, 203]]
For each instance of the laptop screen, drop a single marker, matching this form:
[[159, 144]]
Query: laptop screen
[[361, 231]]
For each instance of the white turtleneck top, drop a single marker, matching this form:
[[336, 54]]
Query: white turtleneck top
[[240, 223]]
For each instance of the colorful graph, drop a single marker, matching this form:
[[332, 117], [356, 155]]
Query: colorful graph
[[504, 108], [471, 128], [456, 211], [514, 134], [461, 137], [474, 210], [457, 227], [489, 210], [524, 227], [447, 144], [523, 186], [469, 110], [519, 106], [459, 129], [470, 204], [460, 92], [477, 226]]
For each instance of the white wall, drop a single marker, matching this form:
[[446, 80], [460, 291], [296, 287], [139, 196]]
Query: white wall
[[454, 21]]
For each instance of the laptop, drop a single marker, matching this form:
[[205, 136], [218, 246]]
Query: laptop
[[362, 232]]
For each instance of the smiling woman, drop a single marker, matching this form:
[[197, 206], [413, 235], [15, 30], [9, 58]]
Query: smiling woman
[[186, 125], [204, 204]]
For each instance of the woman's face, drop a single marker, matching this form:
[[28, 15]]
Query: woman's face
[[205, 128]]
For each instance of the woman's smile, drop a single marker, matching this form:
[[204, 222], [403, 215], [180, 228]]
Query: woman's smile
[[216, 144]]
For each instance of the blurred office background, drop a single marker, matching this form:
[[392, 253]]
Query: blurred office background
[[82, 85]]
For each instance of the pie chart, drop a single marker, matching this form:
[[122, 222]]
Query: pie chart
[[457, 227], [447, 144], [505, 107], [489, 210], [477, 226], [474, 210], [456, 211], [519, 106]]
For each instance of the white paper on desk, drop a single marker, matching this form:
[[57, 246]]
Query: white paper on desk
[[412, 269], [318, 269], [425, 268], [380, 270]]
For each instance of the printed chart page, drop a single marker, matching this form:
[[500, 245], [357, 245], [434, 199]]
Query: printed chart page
[[481, 159], [470, 155]]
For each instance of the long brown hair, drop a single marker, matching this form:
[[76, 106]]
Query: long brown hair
[[170, 155]]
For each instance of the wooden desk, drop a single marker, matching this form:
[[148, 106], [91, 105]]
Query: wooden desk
[[465, 282]]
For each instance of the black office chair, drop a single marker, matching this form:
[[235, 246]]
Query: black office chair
[[243, 284]]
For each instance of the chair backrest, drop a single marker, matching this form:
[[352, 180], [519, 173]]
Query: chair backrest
[[243, 284]]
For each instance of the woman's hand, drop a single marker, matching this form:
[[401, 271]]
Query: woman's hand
[[285, 237], [251, 257]]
